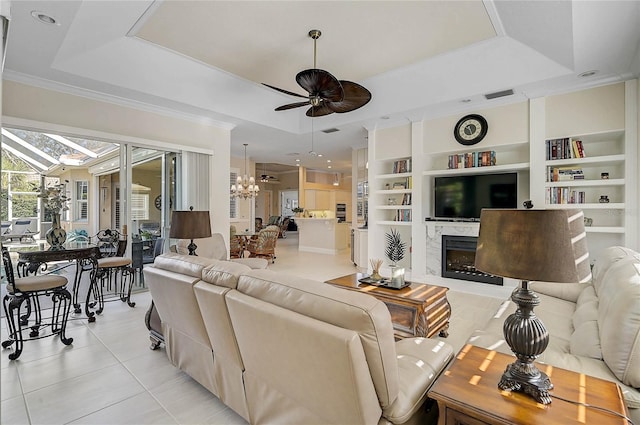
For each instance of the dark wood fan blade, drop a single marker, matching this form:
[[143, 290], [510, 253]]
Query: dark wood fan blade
[[319, 111], [284, 91], [319, 82], [355, 96], [292, 105]]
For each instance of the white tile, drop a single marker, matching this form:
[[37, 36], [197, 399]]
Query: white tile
[[74, 398], [139, 409], [153, 368], [188, 401], [70, 364], [10, 383], [13, 411]]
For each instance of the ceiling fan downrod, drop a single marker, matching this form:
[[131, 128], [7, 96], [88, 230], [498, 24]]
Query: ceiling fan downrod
[[315, 34]]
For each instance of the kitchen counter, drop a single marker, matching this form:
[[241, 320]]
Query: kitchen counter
[[322, 235]]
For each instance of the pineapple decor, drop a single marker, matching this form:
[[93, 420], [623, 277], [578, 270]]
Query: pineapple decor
[[394, 251], [395, 247]]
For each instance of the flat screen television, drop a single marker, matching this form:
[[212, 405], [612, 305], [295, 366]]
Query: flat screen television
[[464, 196]]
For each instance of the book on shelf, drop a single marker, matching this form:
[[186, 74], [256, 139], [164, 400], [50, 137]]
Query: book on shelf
[[564, 195], [565, 148], [402, 166], [402, 215], [556, 174], [472, 159], [406, 199]]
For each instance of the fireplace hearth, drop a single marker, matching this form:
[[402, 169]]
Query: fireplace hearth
[[458, 259]]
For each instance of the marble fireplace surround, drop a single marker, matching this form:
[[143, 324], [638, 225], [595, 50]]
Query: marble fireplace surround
[[433, 274], [435, 230]]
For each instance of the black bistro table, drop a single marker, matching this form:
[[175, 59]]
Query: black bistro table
[[32, 260]]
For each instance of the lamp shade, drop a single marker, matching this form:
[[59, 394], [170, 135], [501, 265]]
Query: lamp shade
[[542, 245], [190, 225]]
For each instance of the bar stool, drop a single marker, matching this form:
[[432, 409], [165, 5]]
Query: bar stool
[[114, 269], [27, 291]]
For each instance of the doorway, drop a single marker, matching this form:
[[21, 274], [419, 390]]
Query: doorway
[[288, 201]]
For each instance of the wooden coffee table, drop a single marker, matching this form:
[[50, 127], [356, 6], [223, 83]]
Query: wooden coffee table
[[468, 394], [416, 310]]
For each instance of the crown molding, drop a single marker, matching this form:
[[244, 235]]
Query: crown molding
[[115, 100]]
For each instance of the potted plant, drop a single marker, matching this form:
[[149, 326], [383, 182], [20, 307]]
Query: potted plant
[[298, 211], [394, 252]]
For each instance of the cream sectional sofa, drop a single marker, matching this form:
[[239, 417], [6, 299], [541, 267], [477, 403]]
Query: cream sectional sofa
[[281, 349], [594, 328]]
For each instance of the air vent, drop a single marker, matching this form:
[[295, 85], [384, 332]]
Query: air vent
[[502, 93], [330, 130]]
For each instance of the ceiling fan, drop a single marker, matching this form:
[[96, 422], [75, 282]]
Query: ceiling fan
[[327, 94], [266, 178]]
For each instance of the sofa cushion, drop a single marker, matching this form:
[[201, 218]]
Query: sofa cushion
[[585, 340], [606, 259], [252, 263], [587, 295], [223, 273], [212, 247], [619, 319], [190, 265], [359, 312], [564, 291], [417, 357], [585, 313]]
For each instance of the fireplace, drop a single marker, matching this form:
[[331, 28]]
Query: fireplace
[[458, 259]]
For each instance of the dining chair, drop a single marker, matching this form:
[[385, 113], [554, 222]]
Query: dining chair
[[264, 245], [236, 244], [27, 291]]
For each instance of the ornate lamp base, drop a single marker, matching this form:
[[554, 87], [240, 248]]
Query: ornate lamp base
[[192, 248], [528, 379], [527, 337]]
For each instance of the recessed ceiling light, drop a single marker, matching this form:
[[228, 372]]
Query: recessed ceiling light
[[465, 100], [320, 155], [384, 117], [328, 166], [298, 160], [588, 73], [328, 160], [44, 18], [298, 164]]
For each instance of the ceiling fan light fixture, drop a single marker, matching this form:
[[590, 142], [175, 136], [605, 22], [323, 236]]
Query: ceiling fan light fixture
[[326, 94]]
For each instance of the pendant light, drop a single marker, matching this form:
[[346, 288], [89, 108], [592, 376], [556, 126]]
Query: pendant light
[[245, 187]]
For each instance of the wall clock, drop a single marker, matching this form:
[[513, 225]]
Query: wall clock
[[158, 202], [470, 129]]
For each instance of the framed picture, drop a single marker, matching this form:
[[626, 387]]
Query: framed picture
[[399, 186]]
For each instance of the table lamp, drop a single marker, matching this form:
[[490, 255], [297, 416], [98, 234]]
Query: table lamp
[[540, 245], [190, 225]]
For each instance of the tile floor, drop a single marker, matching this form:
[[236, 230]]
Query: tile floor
[[110, 376]]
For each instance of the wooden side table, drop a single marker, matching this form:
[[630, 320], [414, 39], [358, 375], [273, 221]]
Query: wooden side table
[[468, 394], [416, 310]]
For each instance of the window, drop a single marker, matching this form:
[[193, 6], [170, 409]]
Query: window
[[139, 206], [233, 204], [82, 201]]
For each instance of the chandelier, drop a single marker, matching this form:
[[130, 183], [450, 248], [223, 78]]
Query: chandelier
[[245, 187]]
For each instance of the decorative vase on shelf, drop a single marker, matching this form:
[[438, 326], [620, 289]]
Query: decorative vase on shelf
[[56, 236]]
